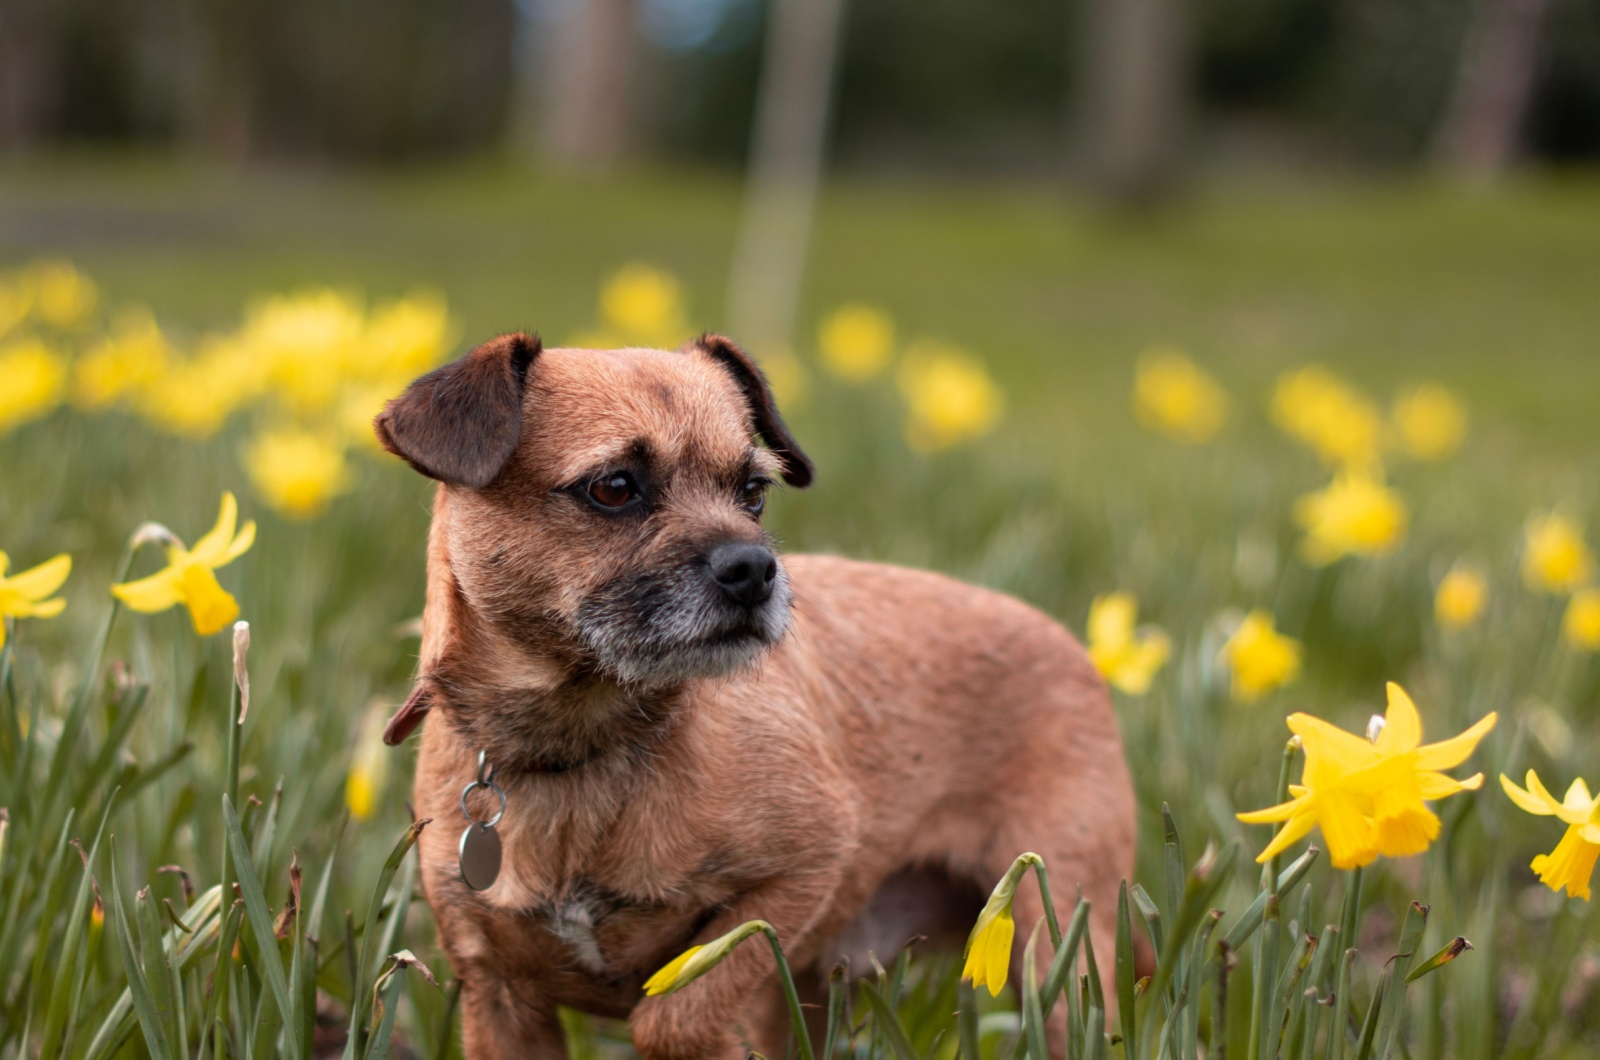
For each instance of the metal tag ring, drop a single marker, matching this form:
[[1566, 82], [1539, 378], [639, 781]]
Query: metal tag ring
[[492, 786]]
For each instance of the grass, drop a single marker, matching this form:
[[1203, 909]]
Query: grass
[[1386, 283]]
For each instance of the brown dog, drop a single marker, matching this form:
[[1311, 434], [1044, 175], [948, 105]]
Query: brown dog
[[691, 733]]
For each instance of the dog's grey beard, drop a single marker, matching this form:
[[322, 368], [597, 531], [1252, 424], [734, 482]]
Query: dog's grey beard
[[658, 630]]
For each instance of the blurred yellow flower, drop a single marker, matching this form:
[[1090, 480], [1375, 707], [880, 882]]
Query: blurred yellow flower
[[130, 359], [786, 376], [1555, 558], [644, 306], [189, 577], [25, 595], [1173, 395], [1430, 422], [32, 379], [195, 397], [404, 338], [1461, 597], [16, 301], [1340, 423], [1571, 863], [1259, 658], [369, 771], [360, 405], [1369, 796], [1125, 656], [297, 471], [1580, 626], [62, 296], [1354, 515], [950, 396], [856, 342], [987, 958], [696, 961], [306, 345]]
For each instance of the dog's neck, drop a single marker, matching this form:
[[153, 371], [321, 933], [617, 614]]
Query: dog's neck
[[533, 711]]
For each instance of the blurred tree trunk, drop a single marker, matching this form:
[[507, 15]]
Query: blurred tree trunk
[[221, 117], [591, 70], [786, 148], [28, 71], [1135, 97], [1483, 125]]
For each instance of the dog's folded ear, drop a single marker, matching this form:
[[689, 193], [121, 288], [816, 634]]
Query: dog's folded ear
[[409, 716], [461, 423], [797, 467]]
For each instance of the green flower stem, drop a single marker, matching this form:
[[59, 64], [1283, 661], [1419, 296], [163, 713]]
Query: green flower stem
[[796, 1015]]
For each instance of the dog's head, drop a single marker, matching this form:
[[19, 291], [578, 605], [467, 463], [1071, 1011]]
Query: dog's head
[[605, 505]]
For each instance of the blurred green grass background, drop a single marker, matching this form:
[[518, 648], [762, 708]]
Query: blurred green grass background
[[1388, 283]]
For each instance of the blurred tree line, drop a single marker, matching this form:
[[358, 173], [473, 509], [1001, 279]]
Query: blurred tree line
[[1127, 86]]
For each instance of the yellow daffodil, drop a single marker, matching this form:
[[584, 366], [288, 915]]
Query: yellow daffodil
[[33, 376], [950, 396], [27, 594], [1125, 656], [1369, 796], [696, 961], [1259, 658], [1173, 395], [988, 953], [189, 577], [1340, 423], [131, 358], [63, 296], [297, 471], [405, 338], [16, 302], [195, 397], [1580, 626], [1429, 422], [643, 306], [1461, 597], [1571, 863], [856, 342], [305, 345], [369, 772], [1555, 558], [1354, 515]]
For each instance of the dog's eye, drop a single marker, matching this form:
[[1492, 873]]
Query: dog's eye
[[614, 490], [753, 496]]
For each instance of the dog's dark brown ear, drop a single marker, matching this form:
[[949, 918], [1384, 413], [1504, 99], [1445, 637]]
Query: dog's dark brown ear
[[797, 466], [460, 423]]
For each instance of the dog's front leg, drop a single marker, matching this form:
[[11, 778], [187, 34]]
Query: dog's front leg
[[697, 1022], [501, 1020]]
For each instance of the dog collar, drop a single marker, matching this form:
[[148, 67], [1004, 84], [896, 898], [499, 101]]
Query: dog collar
[[404, 722]]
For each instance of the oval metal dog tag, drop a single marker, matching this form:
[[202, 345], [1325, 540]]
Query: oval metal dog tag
[[480, 855]]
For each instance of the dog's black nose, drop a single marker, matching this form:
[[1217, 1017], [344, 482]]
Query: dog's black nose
[[744, 572]]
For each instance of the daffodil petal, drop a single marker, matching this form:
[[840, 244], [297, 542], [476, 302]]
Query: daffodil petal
[[666, 980], [1447, 754], [1402, 725], [158, 592], [998, 954], [1578, 803], [1539, 791], [1433, 786], [47, 608], [241, 544], [41, 581], [1330, 748], [1297, 829], [210, 548], [1273, 814]]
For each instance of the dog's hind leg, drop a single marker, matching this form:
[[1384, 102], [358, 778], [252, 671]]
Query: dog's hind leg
[[499, 1021]]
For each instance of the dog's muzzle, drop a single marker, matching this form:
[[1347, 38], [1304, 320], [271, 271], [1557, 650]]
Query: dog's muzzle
[[703, 618]]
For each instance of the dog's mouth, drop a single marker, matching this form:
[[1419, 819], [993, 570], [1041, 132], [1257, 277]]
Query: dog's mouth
[[662, 629]]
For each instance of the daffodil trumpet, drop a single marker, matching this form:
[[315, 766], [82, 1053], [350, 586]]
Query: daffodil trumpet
[[696, 961]]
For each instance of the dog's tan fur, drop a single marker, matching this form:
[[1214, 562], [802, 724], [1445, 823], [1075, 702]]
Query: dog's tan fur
[[903, 721]]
